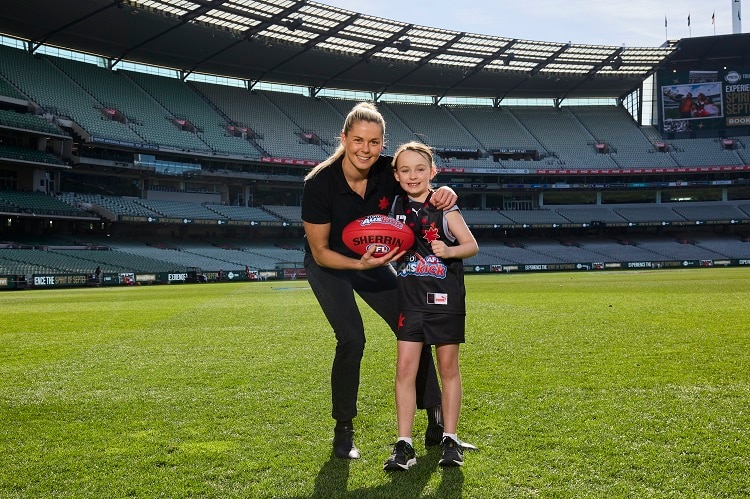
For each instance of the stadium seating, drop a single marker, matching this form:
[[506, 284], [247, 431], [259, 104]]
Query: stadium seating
[[495, 128], [589, 214], [278, 122], [180, 209], [288, 213], [244, 213], [557, 251], [181, 101], [209, 256], [742, 150], [396, 131], [623, 251], [564, 136], [26, 154], [695, 212], [615, 127], [434, 125], [117, 205], [709, 211], [46, 85], [671, 249], [8, 90], [39, 203], [726, 246], [544, 216], [132, 255], [275, 132], [702, 152], [27, 121], [36, 261], [310, 115], [491, 252], [145, 116], [485, 217], [648, 213]]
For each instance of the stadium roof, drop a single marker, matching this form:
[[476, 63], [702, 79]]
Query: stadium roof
[[319, 46], [711, 52]]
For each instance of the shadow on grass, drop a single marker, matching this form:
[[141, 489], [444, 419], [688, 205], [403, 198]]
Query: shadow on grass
[[333, 477]]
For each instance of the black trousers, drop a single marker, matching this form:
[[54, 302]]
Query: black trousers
[[335, 290]]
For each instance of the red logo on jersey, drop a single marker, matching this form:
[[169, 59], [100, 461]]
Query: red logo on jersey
[[431, 234]]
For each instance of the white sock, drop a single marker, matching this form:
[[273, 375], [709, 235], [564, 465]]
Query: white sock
[[407, 440], [451, 435]]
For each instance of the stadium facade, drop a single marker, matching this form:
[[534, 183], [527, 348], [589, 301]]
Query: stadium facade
[[565, 157]]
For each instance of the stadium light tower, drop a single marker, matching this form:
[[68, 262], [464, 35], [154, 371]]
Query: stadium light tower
[[736, 16]]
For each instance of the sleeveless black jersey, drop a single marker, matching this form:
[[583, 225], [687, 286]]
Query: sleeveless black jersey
[[427, 283]]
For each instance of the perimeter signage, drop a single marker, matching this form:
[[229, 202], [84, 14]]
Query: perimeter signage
[[40, 281]]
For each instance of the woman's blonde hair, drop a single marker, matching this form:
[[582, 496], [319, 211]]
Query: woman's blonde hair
[[364, 111], [417, 147]]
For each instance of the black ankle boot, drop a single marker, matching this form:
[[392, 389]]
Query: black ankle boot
[[343, 441], [434, 433]]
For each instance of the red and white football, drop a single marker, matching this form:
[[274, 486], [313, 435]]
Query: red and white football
[[382, 231]]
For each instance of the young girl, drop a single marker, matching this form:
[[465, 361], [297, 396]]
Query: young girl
[[431, 301]]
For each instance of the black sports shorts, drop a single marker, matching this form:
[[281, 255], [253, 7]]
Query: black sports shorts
[[431, 328]]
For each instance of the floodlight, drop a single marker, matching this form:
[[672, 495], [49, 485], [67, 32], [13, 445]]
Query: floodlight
[[403, 45], [294, 23]]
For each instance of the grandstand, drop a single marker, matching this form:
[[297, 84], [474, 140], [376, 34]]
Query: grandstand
[[147, 158], [37, 203]]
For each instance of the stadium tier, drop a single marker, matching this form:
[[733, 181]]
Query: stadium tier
[[217, 120], [167, 172], [25, 121], [213, 256], [114, 207], [50, 89], [39, 204], [174, 115]]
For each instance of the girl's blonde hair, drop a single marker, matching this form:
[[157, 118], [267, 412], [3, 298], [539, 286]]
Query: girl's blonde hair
[[364, 111], [417, 147]]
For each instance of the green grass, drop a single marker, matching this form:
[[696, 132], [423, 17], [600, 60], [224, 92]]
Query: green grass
[[628, 384]]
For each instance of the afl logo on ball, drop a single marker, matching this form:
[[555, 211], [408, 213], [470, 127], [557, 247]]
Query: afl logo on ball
[[380, 249]]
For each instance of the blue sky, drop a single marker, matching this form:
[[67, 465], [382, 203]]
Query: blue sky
[[633, 23]]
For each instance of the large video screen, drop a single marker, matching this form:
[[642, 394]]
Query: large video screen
[[699, 100]]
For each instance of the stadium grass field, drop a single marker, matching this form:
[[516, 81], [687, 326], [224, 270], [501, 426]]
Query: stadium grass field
[[599, 384]]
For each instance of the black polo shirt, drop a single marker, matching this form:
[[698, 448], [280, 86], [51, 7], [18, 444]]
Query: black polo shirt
[[327, 198]]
